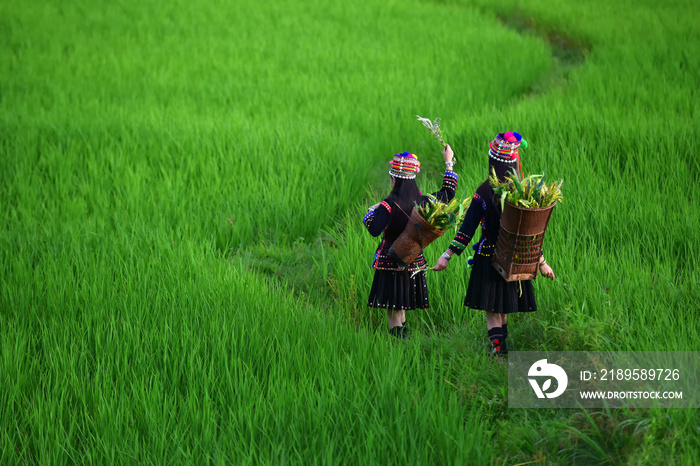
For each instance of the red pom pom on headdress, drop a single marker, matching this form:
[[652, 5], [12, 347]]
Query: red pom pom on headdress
[[504, 148]]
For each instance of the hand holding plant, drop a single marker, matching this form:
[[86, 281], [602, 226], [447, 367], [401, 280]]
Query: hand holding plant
[[448, 154]]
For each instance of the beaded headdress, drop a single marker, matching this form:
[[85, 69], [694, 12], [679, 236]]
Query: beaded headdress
[[505, 147], [503, 153], [404, 165]]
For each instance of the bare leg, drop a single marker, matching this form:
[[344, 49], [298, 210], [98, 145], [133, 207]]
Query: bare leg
[[393, 318], [493, 320]]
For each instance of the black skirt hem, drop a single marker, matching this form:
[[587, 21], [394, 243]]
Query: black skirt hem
[[398, 290]]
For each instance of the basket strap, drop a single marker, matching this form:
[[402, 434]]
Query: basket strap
[[404, 212], [420, 233]]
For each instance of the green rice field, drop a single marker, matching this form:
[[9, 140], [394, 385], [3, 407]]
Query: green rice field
[[183, 268]]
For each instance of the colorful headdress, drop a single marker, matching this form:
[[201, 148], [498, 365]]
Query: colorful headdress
[[404, 165], [505, 147]]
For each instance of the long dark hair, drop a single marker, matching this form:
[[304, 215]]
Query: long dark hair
[[502, 169], [404, 193]]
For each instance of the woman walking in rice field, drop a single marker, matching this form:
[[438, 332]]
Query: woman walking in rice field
[[487, 290], [395, 287]]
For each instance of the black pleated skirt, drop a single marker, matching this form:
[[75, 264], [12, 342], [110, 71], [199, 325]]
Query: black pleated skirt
[[488, 291], [396, 290]]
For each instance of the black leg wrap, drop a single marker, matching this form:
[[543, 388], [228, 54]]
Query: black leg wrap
[[498, 341], [399, 332]]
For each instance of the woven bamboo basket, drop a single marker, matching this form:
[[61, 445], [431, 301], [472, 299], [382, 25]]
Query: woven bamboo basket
[[519, 243], [417, 235]]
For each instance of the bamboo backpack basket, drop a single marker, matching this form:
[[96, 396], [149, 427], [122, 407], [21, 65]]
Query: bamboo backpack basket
[[416, 236], [519, 243]]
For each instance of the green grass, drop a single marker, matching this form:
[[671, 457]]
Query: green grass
[[184, 272], [215, 376]]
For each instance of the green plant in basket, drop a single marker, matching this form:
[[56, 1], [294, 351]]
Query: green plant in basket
[[530, 192], [442, 215]]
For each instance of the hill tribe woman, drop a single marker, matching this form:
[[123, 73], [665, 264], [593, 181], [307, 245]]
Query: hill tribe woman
[[397, 288], [487, 290]]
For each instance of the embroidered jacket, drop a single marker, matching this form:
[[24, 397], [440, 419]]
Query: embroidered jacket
[[482, 211], [389, 220]]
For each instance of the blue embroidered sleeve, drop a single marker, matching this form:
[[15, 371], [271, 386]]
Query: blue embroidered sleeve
[[449, 187], [376, 220]]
